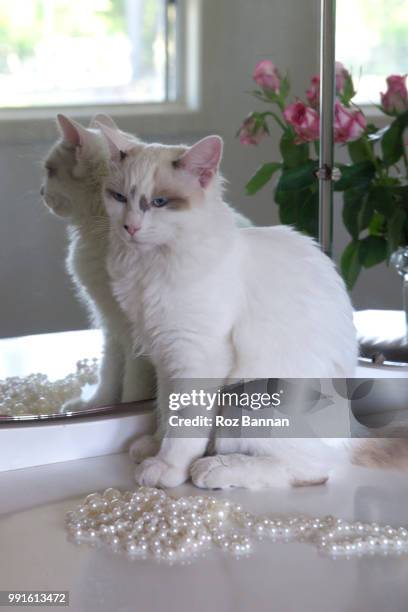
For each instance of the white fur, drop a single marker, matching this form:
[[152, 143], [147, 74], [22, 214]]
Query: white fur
[[209, 300], [72, 189]]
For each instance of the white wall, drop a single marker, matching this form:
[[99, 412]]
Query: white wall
[[35, 293]]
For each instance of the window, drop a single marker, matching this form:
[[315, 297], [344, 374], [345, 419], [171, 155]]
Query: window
[[372, 40], [78, 52]]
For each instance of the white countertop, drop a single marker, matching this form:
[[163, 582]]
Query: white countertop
[[34, 553], [282, 577]]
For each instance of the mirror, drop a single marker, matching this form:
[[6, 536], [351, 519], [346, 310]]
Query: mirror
[[160, 70]]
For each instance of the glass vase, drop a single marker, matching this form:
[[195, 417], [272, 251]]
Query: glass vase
[[399, 260]]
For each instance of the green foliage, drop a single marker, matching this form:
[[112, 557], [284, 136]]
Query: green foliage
[[300, 209], [381, 200], [350, 264], [262, 176], [372, 251], [366, 253], [358, 175], [308, 216], [375, 210], [349, 92], [395, 229], [356, 211], [358, 151], [377, 225], [292, 154], [392, 144], [298, 177], [375, 191]]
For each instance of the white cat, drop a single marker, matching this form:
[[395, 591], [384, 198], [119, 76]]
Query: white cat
[[74, 171], [207, 300]]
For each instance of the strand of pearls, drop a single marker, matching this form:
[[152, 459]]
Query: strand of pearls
[[151, 523], [36, 394]]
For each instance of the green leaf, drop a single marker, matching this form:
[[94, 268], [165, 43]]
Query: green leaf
[[358, 150], [288, 202], [356, 211], [381, 200], [293, 154], [300, 209], [355, 175], [350, 264], [372, 250], [365, 213], [284, 88], [261, 177], [392, 142], [308, 214], [399, 194], [348, 91], [299, 177], [376, 226], [395, 229], [374, 134]]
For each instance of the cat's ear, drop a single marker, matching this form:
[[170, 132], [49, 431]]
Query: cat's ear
[[74, 135], [118, 143], [202, 159], [104, 120]]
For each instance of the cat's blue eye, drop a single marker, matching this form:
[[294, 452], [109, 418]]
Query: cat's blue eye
[[159, 202], [119, 197]]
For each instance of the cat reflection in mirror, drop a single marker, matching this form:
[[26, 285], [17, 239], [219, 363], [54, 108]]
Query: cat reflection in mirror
[[206, 299], [74, 170]]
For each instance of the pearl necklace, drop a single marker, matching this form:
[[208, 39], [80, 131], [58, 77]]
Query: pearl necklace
[[36, 394], [150, 523]]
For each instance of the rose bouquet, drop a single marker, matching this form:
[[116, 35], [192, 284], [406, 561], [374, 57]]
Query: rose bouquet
[[375, 182]]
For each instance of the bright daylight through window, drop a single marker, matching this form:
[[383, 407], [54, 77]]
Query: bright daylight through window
[[125, 49], [372, 42]]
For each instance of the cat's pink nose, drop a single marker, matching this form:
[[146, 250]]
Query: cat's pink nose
[[131, 229]]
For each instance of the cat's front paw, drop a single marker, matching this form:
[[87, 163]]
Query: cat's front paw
[[211, 473], [154, 472], [143, 447]]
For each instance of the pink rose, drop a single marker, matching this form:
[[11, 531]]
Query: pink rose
[[267, 76], [251, 132], [349, 125], [395, 100], [313, 93], [304, 120], [341, 77]]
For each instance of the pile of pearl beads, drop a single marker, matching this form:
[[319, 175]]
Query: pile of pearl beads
[[150, 523], [37, 395]]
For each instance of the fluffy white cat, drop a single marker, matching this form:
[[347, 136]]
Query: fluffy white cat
[[74, 170], [207, 300]]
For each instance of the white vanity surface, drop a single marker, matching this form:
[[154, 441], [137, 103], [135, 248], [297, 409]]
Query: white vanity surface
[[282, 577], [34, 553]]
